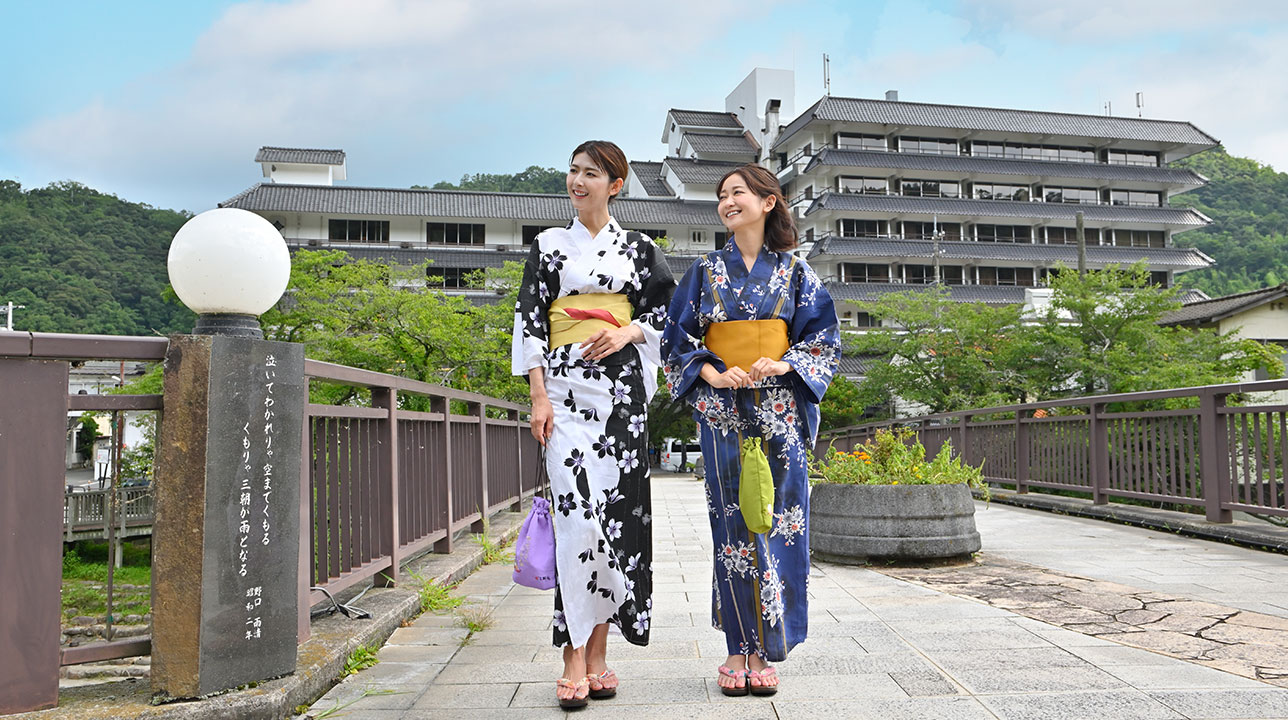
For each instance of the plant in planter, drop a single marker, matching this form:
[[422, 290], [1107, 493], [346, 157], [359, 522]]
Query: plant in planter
[[885, 501]]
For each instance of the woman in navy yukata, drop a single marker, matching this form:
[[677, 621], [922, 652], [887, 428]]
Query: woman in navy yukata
[[587, 333], [759, 584]]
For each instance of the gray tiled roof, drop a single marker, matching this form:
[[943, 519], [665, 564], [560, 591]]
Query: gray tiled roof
[[1192, 295], [305, 156], [1214, 309], [869, 292], [1098, 255], [857, 365], [650, 176], [999, 166], [728, 144], [699, 172], [442, 257], [330, 200], [953, 117], [680, 264], [705, 118], [856, 202]]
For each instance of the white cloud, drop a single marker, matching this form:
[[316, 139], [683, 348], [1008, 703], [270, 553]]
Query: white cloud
[[1106, 21], [438, 76]]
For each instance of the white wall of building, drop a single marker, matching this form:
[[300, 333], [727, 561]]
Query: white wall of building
[[761, 85], [299, 173]]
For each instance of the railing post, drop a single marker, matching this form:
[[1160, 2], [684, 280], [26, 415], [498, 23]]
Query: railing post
[[1098, 459], [387, 398], [480, 409], [307, 524], [444, 405], [33, 420], [963, 439], [513, 417], [1214, 458], [1021, 453]]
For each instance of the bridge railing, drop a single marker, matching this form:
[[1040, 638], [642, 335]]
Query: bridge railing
[[380, 482], [1213, 455]]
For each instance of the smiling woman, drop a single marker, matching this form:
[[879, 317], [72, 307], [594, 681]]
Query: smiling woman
[[587, 329]]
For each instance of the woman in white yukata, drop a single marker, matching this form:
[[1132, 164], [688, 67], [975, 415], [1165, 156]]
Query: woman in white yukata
[[751, 343], [587, 333]]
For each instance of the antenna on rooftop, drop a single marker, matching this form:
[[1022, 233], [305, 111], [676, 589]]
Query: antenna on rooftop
[[1109, 107], [1140, 104], [827, 75]]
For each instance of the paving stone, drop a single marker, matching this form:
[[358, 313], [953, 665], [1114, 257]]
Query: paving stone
[[996, 639], [391, 673], [488, 654], [428, 636], [1223, 704], [463, 674], [630, 692], [368, 696], [1114, 705], [494, 695], [886, 709], [990, 680], [924, 683], [1179, 675], [417, 653]]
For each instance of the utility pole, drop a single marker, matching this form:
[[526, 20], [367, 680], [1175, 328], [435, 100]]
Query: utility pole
[[827, 75], [936, 235], [8, 311]]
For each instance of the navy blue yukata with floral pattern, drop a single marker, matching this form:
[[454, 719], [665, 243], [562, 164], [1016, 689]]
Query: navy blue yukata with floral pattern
[[760, 580]]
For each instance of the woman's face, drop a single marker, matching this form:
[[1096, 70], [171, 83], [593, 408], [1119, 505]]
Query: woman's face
[[588, 185], [739, 207]]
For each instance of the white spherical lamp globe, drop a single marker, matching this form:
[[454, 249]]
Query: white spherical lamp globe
[[228, 262]]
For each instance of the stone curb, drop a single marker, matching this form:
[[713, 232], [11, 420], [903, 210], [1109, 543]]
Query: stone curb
[[320, 658], [1253, 534]]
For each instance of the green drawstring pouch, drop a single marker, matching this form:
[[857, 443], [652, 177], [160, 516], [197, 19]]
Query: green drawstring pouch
[[756, 488]]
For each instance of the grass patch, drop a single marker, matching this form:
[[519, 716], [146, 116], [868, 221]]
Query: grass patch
[[434, 597], [493, 551], [334, 710], [360, 659], [476, 617], [84, 590]]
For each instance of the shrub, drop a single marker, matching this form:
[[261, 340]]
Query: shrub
[[897, 458]]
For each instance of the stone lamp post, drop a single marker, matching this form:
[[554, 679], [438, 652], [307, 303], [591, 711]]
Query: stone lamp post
[[225, 591]]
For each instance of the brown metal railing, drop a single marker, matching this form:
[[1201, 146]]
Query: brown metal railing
[[1218, 457], [379, 483]]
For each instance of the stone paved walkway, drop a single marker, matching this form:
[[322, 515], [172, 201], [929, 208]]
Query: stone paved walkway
[[879, 647]]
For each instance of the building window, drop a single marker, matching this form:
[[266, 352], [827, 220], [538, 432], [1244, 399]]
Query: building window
[[1135, 197], [1131, 157], [449, 277], [951, 275], [1071, 195], [865, 320], [455, 233], [856, 141], [697, 237], [358, 231], [865, 185], [1069, 236], [865, 272], [652, 234], [929, 145], [1004, 233], [1006, 276], [1139, 238], [1014, 151], [722, 239], [530, 232], [1159, 278], [929, 188], [925, 274], [991, 191], [861, 228], [926, 230]]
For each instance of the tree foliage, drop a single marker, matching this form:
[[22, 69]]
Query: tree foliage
[[535, 179], [85, 262], [1248, 237], [1100, 334]]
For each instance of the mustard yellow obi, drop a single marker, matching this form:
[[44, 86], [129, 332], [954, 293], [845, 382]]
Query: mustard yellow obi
[[574, 318], [743, 342]]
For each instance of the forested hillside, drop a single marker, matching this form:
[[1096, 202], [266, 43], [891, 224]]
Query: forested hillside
[[85, 262], [1248, 237], [535, 179]]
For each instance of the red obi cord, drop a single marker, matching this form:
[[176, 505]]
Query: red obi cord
[[596, 313]]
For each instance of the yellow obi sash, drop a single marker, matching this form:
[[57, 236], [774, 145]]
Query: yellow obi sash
[[574, 318], [743, 342]]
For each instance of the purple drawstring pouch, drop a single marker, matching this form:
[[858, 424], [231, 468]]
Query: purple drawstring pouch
[[534, 553]]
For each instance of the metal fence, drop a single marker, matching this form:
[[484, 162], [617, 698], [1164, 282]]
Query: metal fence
[[379, 483], [1216, 456]]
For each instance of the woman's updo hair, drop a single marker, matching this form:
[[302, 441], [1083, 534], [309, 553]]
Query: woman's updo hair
[[780, 229], [607, 157]]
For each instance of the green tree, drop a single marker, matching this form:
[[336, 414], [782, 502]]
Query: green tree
[[535, 179], [842, 405], [373, 316]]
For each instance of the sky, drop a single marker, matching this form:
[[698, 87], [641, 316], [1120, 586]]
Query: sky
[[166, 102]]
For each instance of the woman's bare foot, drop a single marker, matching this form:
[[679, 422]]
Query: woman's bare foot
[[574, 673], [763, 679], [603, 682], [732, 677]]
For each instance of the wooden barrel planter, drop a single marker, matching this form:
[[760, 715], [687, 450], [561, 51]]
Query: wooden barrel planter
[[856, 523]]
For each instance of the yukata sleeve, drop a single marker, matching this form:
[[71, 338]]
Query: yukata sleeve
[[815, 335], [683, 351], [651, 302], [531, 320]]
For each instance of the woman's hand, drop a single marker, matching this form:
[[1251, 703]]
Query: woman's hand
[[734, 377], [609, 340], [766, 367], [543, 419]]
